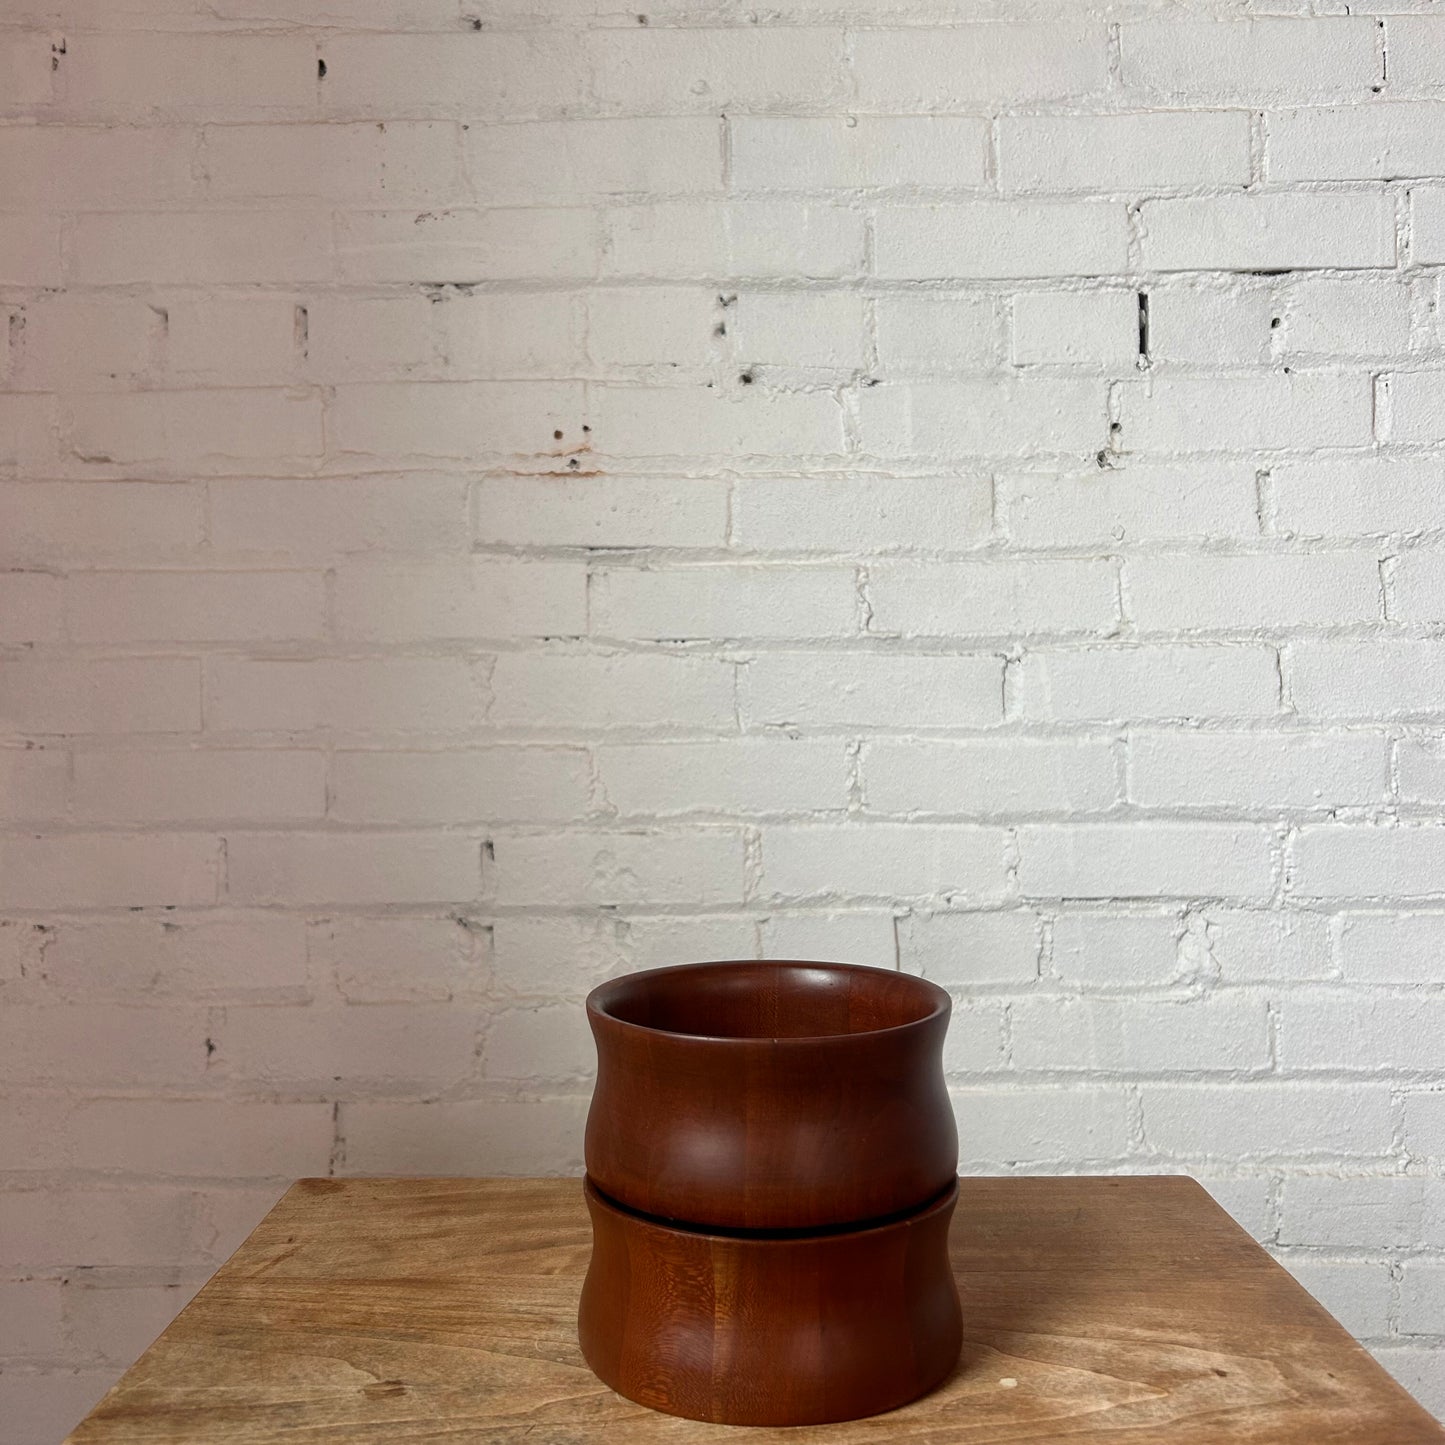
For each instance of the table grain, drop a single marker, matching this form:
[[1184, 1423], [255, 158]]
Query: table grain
[[401, 1310]]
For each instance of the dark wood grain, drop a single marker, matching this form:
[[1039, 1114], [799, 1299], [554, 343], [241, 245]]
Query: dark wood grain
[[1127, 1311], [780, 1095], [745, 1329]]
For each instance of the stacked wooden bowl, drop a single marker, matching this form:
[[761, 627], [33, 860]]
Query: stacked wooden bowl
[[771, 1170]]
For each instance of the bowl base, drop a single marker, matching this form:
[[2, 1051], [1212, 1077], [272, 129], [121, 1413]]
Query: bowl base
[[758, 1329]]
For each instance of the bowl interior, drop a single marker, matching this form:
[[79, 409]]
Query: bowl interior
[[769, 1000]]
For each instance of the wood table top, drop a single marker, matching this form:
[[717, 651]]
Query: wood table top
[[399, 1310]]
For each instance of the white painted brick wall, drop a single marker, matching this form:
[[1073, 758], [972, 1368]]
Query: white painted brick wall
[[492, 497]]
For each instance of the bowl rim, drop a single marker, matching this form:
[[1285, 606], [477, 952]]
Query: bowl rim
[[599, 998]]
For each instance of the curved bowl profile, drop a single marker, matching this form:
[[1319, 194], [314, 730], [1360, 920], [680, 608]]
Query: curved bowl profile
[[784, 1095], [782, 1330]]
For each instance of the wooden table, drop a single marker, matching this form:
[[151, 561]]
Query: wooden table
[[1128, 1310]]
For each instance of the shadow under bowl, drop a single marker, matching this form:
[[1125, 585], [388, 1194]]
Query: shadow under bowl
[[777, 1095]]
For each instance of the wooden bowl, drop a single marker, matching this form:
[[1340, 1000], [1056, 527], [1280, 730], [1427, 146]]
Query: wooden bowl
[[770, 1330], [770, 1095]]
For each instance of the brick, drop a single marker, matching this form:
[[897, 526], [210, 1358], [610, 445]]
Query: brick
[[1425, 1125], [493, 1136], [621, 690], [1364, 861], [989, 777], [372, 164], [70, 1225], [474, 598], [1416, 402], [1173, 593], [857, 152], [606, 868], [106, 695], [176, 431], [961, 950], [31, 608], [884, 860], [1103, 683], [1359, 1032], [101, 1045], [847, 514], [1418, 1370], [1365, 496], [47, 522], [1348, 318], [854, 936], [97, 168], [1369, 1212], [1218, 1034], [436, 788], [103, 607], [932, 334], [1420, 767], [700, 421], [1266, 413], [323, 518], [655, 942], [1013, 1126], [927, 68], [1107, 950], [975, 1041], [1258, 946], [815, 328], [466, 74], [734, 239], [713, 601], [552, 956], [290, 868], [1422, 1297], [1162, 150], [667, 71], [212, 1138], [1246, 1201], [1028, 414], [30, 1326], [959, 599], [399, 960], [1291, 230], [870, 689], [548, 1044], [1097, 329], [212, 956], [176, 787], [187, 77], [1391, 947], [555, 161], [27, 432], [1415, 63], [1000, 239], [47, 1404], [395, 695], [115, 1322], [1263, 1118], [1417, 592], [461, 246], [232, 341], [26, 71], [1356, 1292], [35, 783], [1213, 321], [739, 775], [1252, 60], [201, 247], [108, 870], [1427, 214], [601, 512], [1381, 678], [29, 250], [456, 420], [655, 327], [1254, 771], [1139, 502], [1356, 142], [1145, 860], [382, 1048], [68, 342]]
